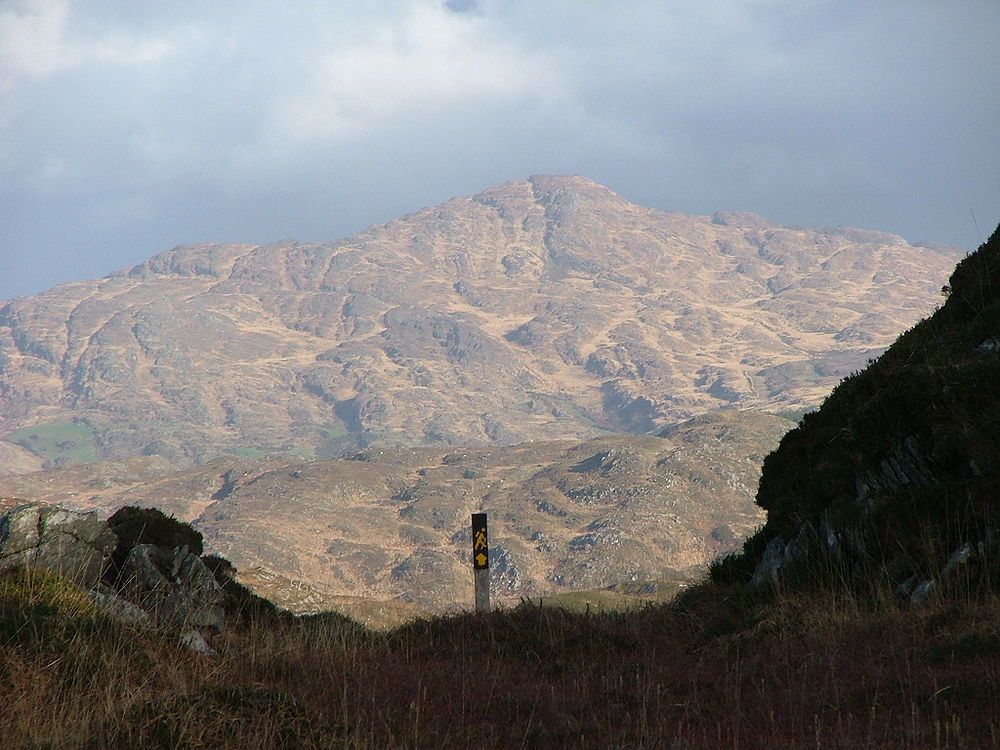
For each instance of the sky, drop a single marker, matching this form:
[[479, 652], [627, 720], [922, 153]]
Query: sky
[[129, 128]]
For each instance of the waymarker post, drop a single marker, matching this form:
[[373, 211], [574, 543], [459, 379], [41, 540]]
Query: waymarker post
[[481, 561]]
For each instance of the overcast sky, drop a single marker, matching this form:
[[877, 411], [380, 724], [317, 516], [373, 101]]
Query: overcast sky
[[127, 128]]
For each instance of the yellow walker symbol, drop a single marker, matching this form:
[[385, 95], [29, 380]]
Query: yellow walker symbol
[[481, 561], [480, 541]]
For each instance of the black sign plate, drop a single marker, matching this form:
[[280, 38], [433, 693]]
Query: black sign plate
[[480, 542]]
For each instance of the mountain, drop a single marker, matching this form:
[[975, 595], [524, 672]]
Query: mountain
[[543, 309], [393, 524]]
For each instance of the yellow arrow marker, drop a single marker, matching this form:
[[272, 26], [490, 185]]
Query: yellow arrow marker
[[480, 559]]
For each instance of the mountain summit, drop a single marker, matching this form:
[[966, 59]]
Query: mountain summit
[[537, 309]]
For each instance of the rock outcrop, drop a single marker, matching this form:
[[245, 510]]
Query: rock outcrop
[[135, 582], [173, 585], [73, 544], [895, 477]]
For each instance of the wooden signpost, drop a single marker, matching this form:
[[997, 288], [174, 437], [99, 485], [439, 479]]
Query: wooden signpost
[[481, 561]]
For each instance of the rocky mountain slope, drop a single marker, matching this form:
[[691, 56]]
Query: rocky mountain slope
[[393, 524], [542, 309]]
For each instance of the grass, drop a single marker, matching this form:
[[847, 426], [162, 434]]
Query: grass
[[246, 451], [586, 601], [794, 415], [621, 598], [58, 443], [715, 669], [336, 439], [304, 452]]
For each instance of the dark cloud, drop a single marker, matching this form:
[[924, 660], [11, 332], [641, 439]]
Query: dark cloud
[[126, 130], [461, 6]]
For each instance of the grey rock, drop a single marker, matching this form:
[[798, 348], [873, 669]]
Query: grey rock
[[505, 575], [829, 536], [863, 490], [174, 586], [197, 643], [73, 544], [767, 570], [906, 464], [913, 448], [118, 608], [905, 589], [989, 346], [922, 591], [798, 548], [957, 559]]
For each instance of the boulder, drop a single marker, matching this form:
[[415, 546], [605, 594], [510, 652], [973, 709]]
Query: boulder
[[73, 544], [768, 569], [174, 586], [989, 346], [197, 643]]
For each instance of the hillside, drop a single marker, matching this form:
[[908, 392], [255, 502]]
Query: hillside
[[897, 471], [543, 309], [392, 524]]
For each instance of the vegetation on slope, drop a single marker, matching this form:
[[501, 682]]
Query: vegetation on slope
[[58, 443], [710, 671], [901, 458], [542, 309], [565, 515]]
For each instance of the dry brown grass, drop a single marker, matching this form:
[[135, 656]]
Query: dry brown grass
[[817, 671]]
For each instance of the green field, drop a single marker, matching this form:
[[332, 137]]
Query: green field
[[620, 598], [58, 443], [795, 415]]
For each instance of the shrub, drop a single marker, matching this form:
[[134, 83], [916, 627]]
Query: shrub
[[135, 526]]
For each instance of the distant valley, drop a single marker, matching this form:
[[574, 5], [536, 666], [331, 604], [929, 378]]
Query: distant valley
[[392, 524]]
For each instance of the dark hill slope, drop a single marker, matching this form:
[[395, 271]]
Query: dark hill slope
[[900, 463]]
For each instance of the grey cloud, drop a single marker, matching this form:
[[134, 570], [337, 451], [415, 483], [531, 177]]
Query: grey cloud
[[247, 122]]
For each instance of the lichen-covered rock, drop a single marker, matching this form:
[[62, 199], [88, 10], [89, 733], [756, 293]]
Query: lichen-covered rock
[[73, 544], [197, 643], [174, 586]]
